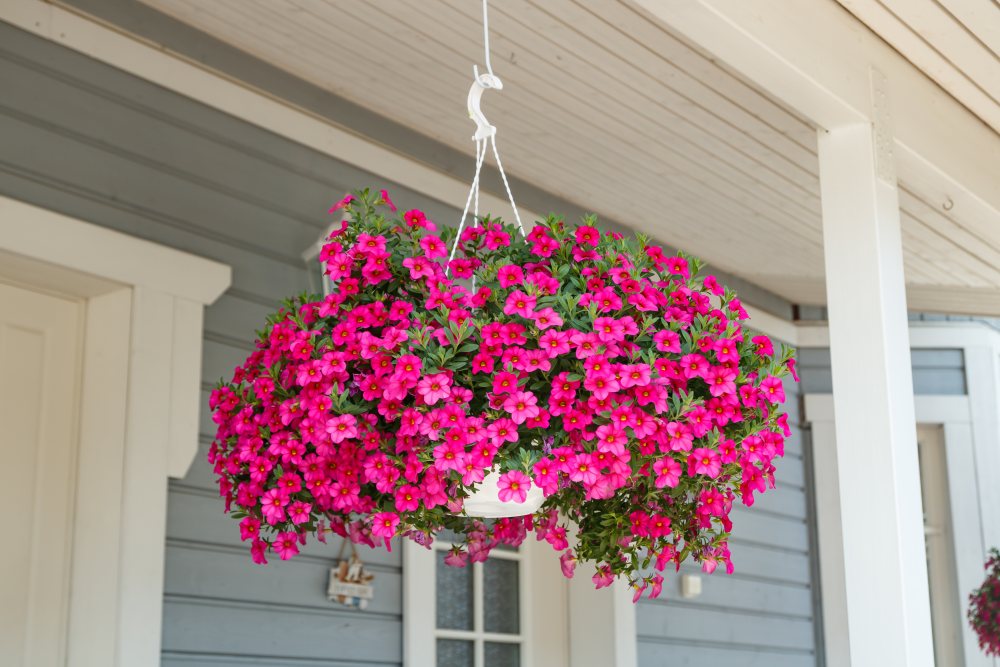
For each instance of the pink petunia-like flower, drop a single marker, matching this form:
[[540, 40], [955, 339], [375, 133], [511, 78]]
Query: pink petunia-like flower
[[299, 512], [772, 389], [704, 461], [721, 380], [567, 563], [342, 427], [513, 486], [678, 266], [545, 318], [510, 275], [521, 405], [249, 528], [433, 247], [519, 303], [272, 506], [384, 524], [417, 219], [286, 545], [341, 204], [668, 472], [420, 267], [384, 196], [587, 236], [502, 430], [407, 498], [603, 578], [434, 388]]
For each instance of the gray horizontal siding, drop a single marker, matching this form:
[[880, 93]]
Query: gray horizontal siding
[[764, 613], [94, 143], [935, 371]]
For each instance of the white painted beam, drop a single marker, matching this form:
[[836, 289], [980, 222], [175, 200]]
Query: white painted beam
[[815, 57], [885, 571]]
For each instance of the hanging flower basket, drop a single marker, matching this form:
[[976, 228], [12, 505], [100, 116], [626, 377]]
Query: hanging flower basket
[[587, 372], [984, 608]]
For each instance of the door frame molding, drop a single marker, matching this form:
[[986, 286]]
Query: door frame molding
[[138, 412]]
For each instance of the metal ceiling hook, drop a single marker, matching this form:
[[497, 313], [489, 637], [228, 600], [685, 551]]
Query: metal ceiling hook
[[479, 84]]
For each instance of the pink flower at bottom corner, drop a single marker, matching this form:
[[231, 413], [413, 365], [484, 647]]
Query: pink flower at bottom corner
[[286, 545], [603, 577], [513, 486], [567, 561]]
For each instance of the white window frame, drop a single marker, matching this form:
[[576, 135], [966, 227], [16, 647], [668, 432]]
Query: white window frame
[[140, 401], [542, 605]]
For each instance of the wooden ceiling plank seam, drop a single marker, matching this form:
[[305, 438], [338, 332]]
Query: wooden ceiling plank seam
[[797, 216], [640, 138], [975, 16], [687, 113], [946, 35], [920, 253], [647, 60], [714, 214], [713, 179], [632, 20], [943, 253], [741, 216], [947, 228]]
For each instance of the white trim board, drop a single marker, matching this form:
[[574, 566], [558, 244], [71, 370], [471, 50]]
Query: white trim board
[[138, 413]]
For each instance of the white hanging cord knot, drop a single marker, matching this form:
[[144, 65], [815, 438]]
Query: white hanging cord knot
[[484, 132]]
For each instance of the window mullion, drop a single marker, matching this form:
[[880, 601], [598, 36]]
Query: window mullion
[[478, 613]]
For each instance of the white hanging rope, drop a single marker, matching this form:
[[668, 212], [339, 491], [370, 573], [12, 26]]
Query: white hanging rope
[[506, 185], [486, 37], [473, 192], [484, 132]]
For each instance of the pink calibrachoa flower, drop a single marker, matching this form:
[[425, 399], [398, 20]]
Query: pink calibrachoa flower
[[433, 388], [773, 390], [704, 461], [513, 486], [668, 472], [519, 303], [596, 367], [286, 545], [384, 524], [510, 275], [521, 405]]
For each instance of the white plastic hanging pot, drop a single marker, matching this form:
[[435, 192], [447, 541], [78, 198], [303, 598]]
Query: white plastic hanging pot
[[485, 500]]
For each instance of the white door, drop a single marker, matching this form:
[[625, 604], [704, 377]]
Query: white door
[[40, 343]]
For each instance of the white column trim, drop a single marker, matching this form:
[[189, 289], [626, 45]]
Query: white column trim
[[879, 477], [138, 412]]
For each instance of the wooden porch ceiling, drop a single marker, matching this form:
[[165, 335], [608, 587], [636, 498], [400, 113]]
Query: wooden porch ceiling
[[606, 107]]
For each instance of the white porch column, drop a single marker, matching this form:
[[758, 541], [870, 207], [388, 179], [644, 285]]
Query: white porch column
[[884, 565]]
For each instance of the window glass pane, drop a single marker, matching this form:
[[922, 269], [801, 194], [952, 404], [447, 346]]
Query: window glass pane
[[502, 655], [501, 599], [451, 537], [454, 595], [455, 653]]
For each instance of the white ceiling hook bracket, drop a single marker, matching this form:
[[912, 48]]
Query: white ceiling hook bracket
[[479, 84]]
